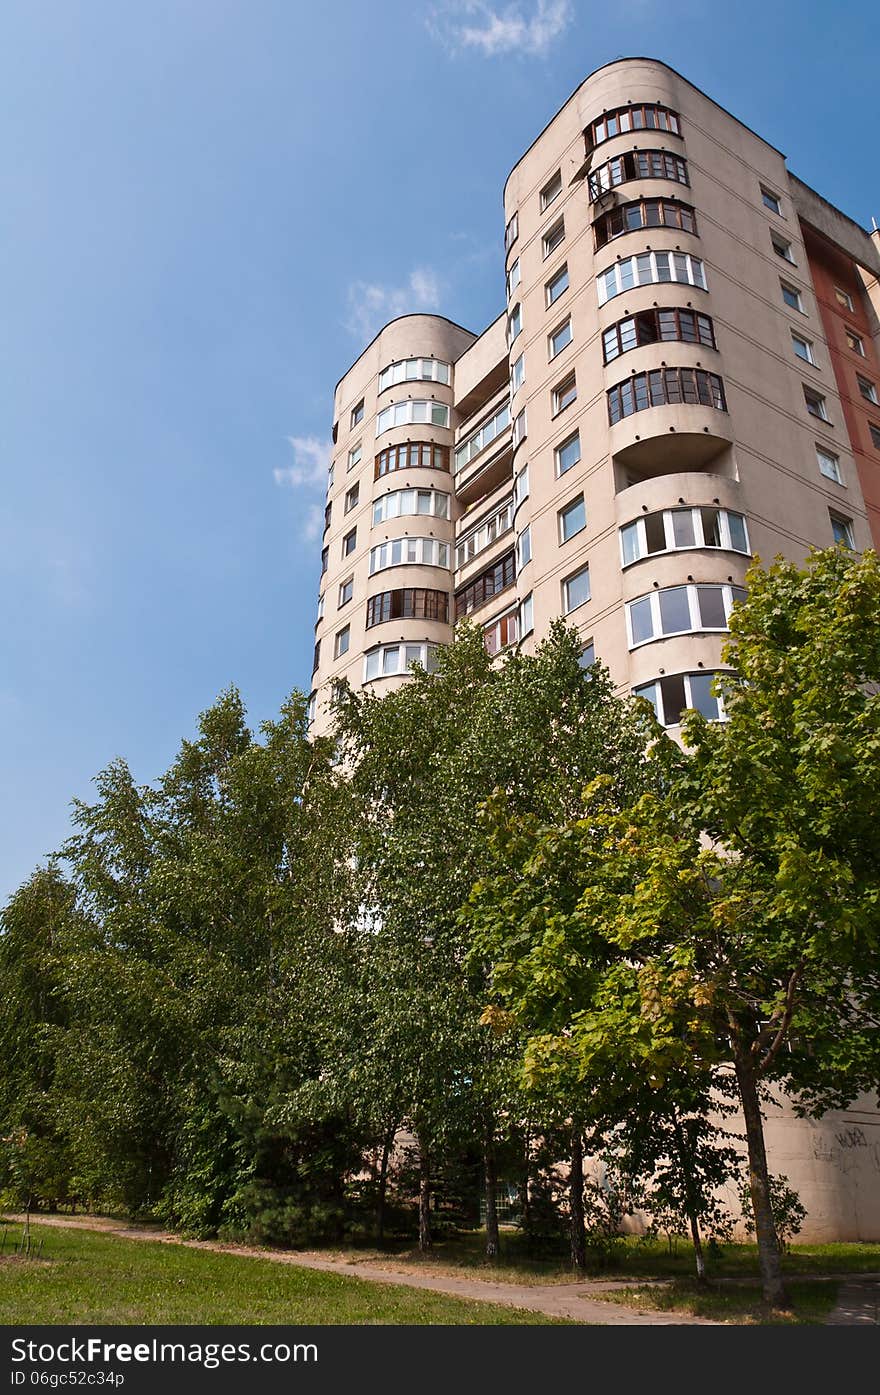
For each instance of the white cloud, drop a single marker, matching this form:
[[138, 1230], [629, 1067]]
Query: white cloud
[[311, 461], [371, 305], [517, 28]]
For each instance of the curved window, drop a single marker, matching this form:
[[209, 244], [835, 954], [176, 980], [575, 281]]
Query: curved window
[[676, 530], [518, 374], [411, 501], [484, 534], [413, 410], [425, 552], [489, 583], [390, 659], [648, 268], [640, 117], [411, 455], [478, 440], [513, 278], [511, 232], [655, 327], [413, 370], [644, 213], [523, 549], [502, 631], [519, 428], [409, 603], [520, 487], [671, 695], [638, 164], [514, 323], [663, 386], [680, 610]]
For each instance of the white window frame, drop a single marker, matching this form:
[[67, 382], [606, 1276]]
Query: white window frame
[[871, 394], [568, 508], [629, 272], [821, 414], [846, 524], [520, 487], [561, 389], [418, 411], [414, 370], [523, 549], [695, 626], [850, 334], [513, 278], [833, 472], [355, 455], [514, 323], [517, 374], [519, 428], [468, 449], [783, 248], [357, 414], [551, 297], [352, 497], [771, 200], [793, 291], [342, 642], [807, 344], [567, 607], [350, 536], [484, 533], [552, 353], [511, 231], [553, 238], [375, 658], [844, 298], [557, 455], [405, 503], [696, 511], [343, 599], [510, 614], [320, 615], [551, 191], [408, 552], [661, 716]]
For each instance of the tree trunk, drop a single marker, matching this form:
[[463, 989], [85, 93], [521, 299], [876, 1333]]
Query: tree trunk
[[576, 1201], [424, 1199], [382, 1191], [491, 1176], [684, 1158], [526, 1182], [775, 1294]]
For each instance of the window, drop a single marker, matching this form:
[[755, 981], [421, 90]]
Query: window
[[411, 370], [671, 696], [829, 465], [312, 709], [649, 267], [587, 656], [517, 374], [523, 549], [554, 237], [330, 473], [328, 513], [875, 434], [489, 583], [346, 591], [413, 410], [782, 248], [675, 530], [325, 557], [572, 519], [526, 615], [559, 338], [843, 298], [842, 529], [855, 343], [514, 323], [498, 634], [555, 287], [351, 497], [320, 615], [480, 439], [769, 200], [792, 296], [576, 590], [632, 118], [520, 487], [354, 456], [485, 533], [390, 659], [511, 232], [349, 543], [644, 213], [803, 348], [357, 413], [519, 428], [401, 502], [657, 326], [637, 164], [551, 190], [663, 386], [564, 394], [568, 454], [815, 404], [410, 603], [513, 278], [678, 610], [317, 657], [422, 455], [425, 552], [867, 389], [341, 642]]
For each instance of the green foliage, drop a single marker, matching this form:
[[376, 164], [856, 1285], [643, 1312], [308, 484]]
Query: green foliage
[[789, 1212]]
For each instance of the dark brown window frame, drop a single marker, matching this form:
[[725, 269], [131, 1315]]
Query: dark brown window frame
[[317, 658], [408, 603], [641, 320], [631, 164], [681, 217], [486, 586], [671, 127], [661, 387], [410, 455]]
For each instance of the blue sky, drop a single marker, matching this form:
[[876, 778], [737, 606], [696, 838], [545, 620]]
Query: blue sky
[[168, 364]]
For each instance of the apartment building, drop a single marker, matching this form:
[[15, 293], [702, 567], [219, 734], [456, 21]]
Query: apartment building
[[685, 374]]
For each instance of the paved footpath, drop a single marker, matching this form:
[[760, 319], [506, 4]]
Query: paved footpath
[[556, 1300]]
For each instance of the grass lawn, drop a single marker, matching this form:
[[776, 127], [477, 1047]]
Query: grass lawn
[[736, 1303], [87, 1277]]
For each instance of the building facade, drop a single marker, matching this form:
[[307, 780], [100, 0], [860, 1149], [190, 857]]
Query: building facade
[[686, 374]]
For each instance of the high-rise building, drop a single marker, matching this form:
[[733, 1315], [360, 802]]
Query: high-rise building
[[685, 374]]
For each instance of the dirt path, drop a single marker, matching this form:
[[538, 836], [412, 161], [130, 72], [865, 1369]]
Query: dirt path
[[556, 1300]]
